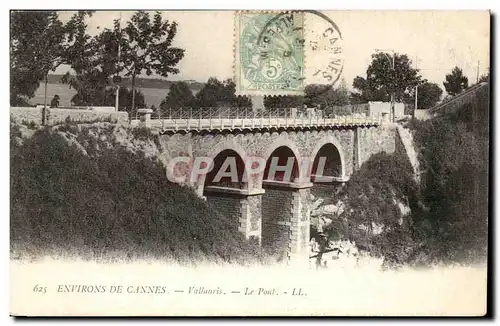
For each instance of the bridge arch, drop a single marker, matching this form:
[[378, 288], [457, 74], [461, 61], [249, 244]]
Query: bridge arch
[[219, 153], [228, 170], [283, 148], [226, 195], [325, 145]]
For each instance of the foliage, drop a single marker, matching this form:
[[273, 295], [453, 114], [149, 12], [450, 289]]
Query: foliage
[[455, 82], [111, 202], [283, 101], [315, 95], [448, 219], [36, 41], [143, 133], [180, 95], [326, 96], [92, 67], [454, 160], [156, 111], [484, 78], [30, 124], [372, 196], [38, 45], [429, 95], [218, 93], [382, 80], [125, 100], [146, 46]]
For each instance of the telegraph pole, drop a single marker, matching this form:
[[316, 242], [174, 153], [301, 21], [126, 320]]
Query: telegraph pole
[[118, 62], [416, 88], [392, 110], [477, 74]]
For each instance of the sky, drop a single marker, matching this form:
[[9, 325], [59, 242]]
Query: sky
[[436, 41]]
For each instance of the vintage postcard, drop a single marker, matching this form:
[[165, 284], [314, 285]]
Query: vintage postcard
[[249, 163]]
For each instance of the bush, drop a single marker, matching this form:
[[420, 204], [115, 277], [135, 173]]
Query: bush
[[372, 196], [116, 202], [454, 161]]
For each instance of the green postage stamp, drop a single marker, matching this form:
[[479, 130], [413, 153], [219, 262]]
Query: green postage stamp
[[269, 53]]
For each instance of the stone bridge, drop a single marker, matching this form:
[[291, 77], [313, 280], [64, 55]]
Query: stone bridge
[[277, 170], [259, 170]]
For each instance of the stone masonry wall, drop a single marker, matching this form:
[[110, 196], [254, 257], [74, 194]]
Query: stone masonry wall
[[255, 208], [376, 140], [325, 190], [300, 226], [57, 116], [276, 220]]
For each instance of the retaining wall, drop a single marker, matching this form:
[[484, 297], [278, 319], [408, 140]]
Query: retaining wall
[[57, 116]]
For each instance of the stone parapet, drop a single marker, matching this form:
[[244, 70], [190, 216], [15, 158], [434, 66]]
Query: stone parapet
[[55, 116]]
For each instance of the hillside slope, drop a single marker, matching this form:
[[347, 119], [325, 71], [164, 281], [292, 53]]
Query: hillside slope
[[98, 192]]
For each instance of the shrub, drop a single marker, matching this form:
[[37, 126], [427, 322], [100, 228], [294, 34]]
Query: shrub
[[454, 161], [372, 196], [114, 202]]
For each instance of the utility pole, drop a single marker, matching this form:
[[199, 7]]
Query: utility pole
[[118, 62], [477, 74], [416, 88], [392, 110], [393, 105]]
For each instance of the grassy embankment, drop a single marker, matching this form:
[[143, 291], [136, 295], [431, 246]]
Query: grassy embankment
[[77, 192]]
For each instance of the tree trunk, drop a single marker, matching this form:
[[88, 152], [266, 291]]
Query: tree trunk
[[133, 94], [44, 109]]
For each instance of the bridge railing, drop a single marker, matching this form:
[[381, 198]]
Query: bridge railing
[[227, 117]]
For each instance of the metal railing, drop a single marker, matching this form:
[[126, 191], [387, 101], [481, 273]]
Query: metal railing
[[231, 118]]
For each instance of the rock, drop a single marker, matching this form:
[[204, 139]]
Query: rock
[[405, 210], [316, 204], [377, 228], [325, 220], [329, 209]]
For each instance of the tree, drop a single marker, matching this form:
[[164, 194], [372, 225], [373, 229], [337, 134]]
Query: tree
[[366, 93], [283, 101], [455, 82], [95, 60], [156, 111], [146, 46], [124, 100], [326, 95], [428, 95], [40, 43], [484, 78], [220, 94], [315, 95], [382, 80], [230, 97], [180, 95], [36, 49]]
